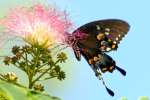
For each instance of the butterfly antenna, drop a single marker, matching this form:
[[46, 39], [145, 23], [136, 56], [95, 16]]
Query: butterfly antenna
[[122, 71], [110, 92]]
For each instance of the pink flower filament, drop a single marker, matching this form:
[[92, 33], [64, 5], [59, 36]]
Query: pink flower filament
[[37, 24]]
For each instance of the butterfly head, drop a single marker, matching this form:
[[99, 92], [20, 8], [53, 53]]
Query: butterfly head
[[72, 39]]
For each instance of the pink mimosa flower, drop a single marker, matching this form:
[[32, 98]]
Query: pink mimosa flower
[[37, 24]]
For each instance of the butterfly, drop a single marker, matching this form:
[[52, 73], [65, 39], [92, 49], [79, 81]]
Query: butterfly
[[93, 40]]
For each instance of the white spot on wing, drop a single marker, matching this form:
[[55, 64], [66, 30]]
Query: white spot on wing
[[108, 49], [114, 42], [107, 33], [119, 35], [117, 38], [98, 27], [107, 29]]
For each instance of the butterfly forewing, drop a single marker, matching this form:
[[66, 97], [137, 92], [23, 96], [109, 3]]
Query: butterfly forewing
[[112, 29], [116, 28]]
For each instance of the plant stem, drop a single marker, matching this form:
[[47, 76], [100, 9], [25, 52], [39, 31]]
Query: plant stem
[[44, 73], [31, 74], [50, 77]]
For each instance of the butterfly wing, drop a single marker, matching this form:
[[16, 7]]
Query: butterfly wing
[[103, 34], [95, 38]]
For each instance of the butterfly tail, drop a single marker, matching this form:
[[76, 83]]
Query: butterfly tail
[[110, 92], [122, 71]]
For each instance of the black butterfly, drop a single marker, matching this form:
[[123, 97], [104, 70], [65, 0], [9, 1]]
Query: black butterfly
[[94, 39]]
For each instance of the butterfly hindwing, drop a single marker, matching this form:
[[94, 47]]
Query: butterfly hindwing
[[98, 60]]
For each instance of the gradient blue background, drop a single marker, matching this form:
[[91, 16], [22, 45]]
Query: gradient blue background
[[132, 55]]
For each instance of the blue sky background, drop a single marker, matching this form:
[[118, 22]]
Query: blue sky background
[[132, 54]]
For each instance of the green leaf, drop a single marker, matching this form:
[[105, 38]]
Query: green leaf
[[124, 98], [12, 92], [143, 98]]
